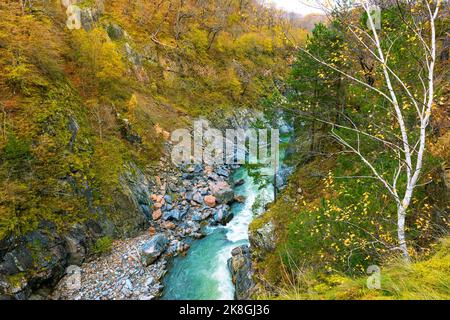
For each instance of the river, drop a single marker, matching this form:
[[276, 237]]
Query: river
[[203, 273]]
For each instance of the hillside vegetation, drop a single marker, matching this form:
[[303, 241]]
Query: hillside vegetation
[[78, 105], [85, 113], [336, 218]]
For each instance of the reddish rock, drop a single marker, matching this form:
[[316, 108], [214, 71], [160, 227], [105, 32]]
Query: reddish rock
[[223, 192], [157, 215], [217, 187], [170, 225], [210, 201], [152, 231], [158, 205], [208, 169]]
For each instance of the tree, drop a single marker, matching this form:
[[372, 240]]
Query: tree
[[409, 140], [319, 87]]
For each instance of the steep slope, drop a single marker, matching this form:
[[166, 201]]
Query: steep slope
[[85, 114]]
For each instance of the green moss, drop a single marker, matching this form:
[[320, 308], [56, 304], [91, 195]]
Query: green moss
[[103, 245]]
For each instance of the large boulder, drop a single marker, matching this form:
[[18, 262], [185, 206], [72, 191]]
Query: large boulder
[[223, 192], [240, 265], [151, 250], [263, 238]]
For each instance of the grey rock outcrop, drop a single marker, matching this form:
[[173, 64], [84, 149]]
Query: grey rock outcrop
[[263, 238], [151, 250], [240, 265]]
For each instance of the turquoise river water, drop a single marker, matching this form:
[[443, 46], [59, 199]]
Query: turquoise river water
[[203, 273]]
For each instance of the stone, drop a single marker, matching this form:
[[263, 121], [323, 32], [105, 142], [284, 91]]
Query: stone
[[174, 215], [223, 216], [115, 32], [168, 199], [129, 284], [264, 237], [239, 182], [198, 235], [210, 201], [189, 168], [213, 176], [173, 187], [156, 215], [222, 172], [240, 266], [240, 199], [170, 225], [223, 192], [181, 247], [152, 249], [198, 198]]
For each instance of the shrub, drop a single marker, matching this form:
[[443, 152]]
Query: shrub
[[103, 245]]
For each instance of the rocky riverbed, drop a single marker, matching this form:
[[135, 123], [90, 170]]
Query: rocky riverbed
[[183, 201]]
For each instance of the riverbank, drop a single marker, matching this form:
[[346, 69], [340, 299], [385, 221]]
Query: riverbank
[[198, 211], [218, 267], [184, 200]]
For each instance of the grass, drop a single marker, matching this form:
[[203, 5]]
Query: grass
[[426, 279]]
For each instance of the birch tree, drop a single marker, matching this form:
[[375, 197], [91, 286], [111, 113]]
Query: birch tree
[[410, 147]]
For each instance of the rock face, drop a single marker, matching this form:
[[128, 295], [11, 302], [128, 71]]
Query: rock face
[[240, 265], [131, 217], [263, 238], [40, 257], [151, 250], [115, 32]]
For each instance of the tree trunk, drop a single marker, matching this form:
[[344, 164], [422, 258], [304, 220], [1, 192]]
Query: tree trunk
[[401, 231]]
